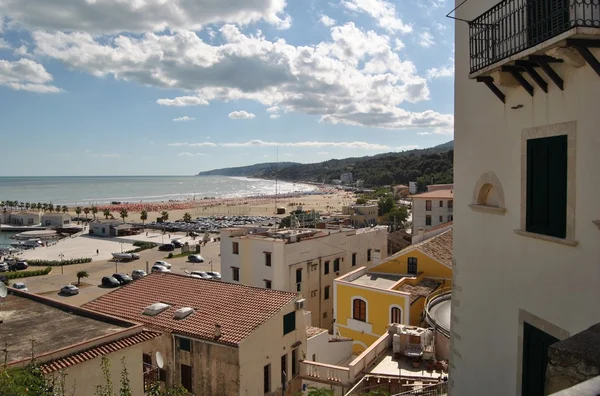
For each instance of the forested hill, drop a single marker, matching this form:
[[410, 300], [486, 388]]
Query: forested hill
[[424, 166], [250, 170]]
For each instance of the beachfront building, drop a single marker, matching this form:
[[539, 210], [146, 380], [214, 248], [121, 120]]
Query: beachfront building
[[56, 219], [24, 218], [367, 300], [73, 340], [361, 215], [112, 228], [526, 247], [432, 208], [217, 338], [346, 178], [300, 260]]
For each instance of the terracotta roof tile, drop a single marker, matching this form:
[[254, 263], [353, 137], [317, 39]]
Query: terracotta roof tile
[[89, 354], [439, 247], [239, 309], [422, 289], [442, 194], [313, 331]]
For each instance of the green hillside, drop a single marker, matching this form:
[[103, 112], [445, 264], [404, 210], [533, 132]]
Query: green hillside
[[250, 170]]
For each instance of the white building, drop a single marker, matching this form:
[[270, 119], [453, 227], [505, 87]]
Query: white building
[[25, 218], [56, 219], [432, 208], [526, 141], [346, 177], [361, 215], [412, 187], [300, 260]]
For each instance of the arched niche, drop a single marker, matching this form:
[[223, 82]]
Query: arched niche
[[488, 194]]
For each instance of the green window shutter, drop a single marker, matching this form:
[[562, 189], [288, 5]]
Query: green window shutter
[[546, 203], [289, 323]]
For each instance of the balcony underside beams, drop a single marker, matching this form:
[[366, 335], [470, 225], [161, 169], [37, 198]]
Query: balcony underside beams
[[489, 82], [530, 69], [583, 47], [515, 71], [544, 63]]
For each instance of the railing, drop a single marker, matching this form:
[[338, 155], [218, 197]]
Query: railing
[[440, 389], [512, 26], [395, 385], [435, 298], [326, 373], [151, 375]]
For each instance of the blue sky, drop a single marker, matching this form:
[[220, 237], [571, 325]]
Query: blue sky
[[173, 87]]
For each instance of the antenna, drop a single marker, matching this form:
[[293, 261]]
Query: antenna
[[159, 360], [276, 176]]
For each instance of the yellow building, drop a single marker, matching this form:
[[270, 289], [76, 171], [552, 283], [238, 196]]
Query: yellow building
[[367, 300]]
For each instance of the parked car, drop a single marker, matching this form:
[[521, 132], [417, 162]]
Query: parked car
[[167, 247], [110, 281], [200, 274], [163, 263], [177, 243], [159, 268], [3, 267], [19, 265], [138, 274], [122, 278], [215, 275], [69, 290], [20, 286], [195, 258]]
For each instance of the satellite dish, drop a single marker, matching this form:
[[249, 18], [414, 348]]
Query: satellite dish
[[3, 290], [159, 360]]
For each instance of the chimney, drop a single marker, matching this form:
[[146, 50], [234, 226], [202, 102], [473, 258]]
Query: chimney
[[217, 330]]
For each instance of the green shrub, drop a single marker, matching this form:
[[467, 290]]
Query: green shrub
[[26, 274], [141, 246], [56, 263], [170, 255]]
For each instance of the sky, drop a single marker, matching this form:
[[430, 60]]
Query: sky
[[174, 87]]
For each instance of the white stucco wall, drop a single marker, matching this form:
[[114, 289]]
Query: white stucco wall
[[419, 213], [498, 273], [328, 352]]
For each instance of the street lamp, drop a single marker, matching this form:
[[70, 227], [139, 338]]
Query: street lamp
[[62, 270]]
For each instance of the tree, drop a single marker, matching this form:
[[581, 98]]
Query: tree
[[51, 207], [386, 204], [81, 274], [397, 214], [78, 211], [165, 215], [65, 209], [125, 384], [319, 392], [39, 206], [94, 211], [187, 218], [361, 201], [87, 212], [123, 214], [144, 216], [27, 205], [106, 213]]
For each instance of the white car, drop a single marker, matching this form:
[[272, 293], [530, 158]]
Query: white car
[[138, 274], [200, 274], [159, 268], [69, 290], [163, 264], [20, 286]]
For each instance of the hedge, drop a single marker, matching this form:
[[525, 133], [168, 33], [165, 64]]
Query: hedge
[[56, 263], [25, 274], [141, 246]]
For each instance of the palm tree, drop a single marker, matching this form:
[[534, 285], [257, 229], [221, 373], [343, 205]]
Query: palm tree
[[39, 206], [51, 207], [65, 209], [87, 212], [81, 274], [144, 216], [94, 211], [78, 211], [123, 214], [27, 205], [21, 205], [187, 218], [106, 213], [44, 206], [165, 215]]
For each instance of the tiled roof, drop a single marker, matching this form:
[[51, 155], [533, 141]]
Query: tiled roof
[[239, 309], [437, 227], [438, 247], [422, 289], [442, 194], [313, 331], [89, 354]]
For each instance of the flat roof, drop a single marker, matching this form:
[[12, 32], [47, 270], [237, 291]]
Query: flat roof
[[422, 289], [380, 281], [441, 194], [51, 325]]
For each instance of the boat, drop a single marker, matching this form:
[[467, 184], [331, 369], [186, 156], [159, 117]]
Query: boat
[[122, 256], [28, 244]]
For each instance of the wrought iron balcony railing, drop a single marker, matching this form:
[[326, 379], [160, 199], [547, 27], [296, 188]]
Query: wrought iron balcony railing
[[512, 26]]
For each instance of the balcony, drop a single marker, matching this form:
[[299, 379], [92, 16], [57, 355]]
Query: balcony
[[514, 26]]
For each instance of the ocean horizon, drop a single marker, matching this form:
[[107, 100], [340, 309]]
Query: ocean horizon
[[88, 190]]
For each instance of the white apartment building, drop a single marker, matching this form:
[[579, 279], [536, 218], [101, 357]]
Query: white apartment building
[[300, 260], [361, 215], [346, 177], [432, 208], [526, 242]]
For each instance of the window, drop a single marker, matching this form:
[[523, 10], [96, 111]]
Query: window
[[427, 220], [369, 255], [450, 204], [294, 362], [324, 315], [103, 230], [396, 315], [353, 259], [162, 375], [359, 309], [412, 265], [546, 204], [267, 259], [268, 284], [299, 275], [267, 378], [313, 293], [186, 377], [314, 359], [289, 322], [326, 269], [185, 344], [146, 358], [450, 218], [235, 274], [441, 204], [336, 265], [236, 247], [428, 205], [441, 219], [326, 293], [284, 373], [535, 359]]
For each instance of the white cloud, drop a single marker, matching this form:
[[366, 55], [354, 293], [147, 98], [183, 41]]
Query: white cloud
[[327, 21], [186, 154], [140, 16], [444, 71], [241, 115], [26, 75], [440, 27], [399, 45], [202, 144], [424, 133], [382, 11], [4, 43], [107, 155], [426, 38], [355, 78], [201, 154], [288, 154], [183, 119], [274, 116], [322, 153], [22, 51], [438, 131], [309, 144], [273, 109], [408, 147]]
